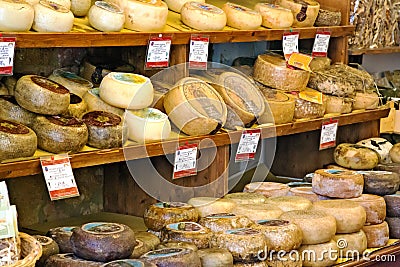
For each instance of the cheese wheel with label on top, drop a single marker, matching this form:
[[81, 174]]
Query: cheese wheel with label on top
[[246, 198], [279, 107], [77, 106], [106, 17], [375, 207], [350, 216], [241, 17], [15, 16], [145, 15], [49, 248], [394, 226], [306, 192], [380, 145], [351, 243], [177, 257], [212, 205], [62, 236], [203, 16], [95, 103], [10, 110], [305, 12], [337, 183], [52, 17], [129, 263], [356, 157], [381, 182], [326, 254], [268, 189], [289, 203], [176, 5], [316, 226], [377, 234], [393, 204], [70, 260], [257, 212], [215, 257], [274, 16], [221, 222], [189, 232]]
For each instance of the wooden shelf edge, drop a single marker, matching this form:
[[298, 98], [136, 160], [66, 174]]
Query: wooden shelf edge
[[374, 51]]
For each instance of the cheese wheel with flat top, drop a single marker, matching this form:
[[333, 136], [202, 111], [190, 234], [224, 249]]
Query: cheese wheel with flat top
[[106, 17], [375, 207], [145, 15], [241, 17], [268, 189], [289, 203], [377, 234], [211, 205], [10, 110], [188, 232], [203, 16], [381, 182], [305, 12], [218, 223], [350, 243], [52, 17], [257, 212], [15, 16], [394, 226], [274, 16], [393, 204]]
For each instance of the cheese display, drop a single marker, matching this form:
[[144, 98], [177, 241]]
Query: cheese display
[[177, 244], [380, 145], [377, 234], [62, 236], [52, 17], [365, 100], [203, 16], [173, 257], [222, 222], [59, 134], [340, 105], [15, 16], [268, 189], [246, 198], [126, 90], [17, 140], [257, 212], [210, 205], [149, 240], [274, 16], [77, 106], [80, 7], [279, 107], [305, 109], [241, 17], [350, 216], [328, 17], [393, 204], [355, 157], [160, 89], [129, 262], [337, 183], [317, 227], [70, 260], [71, 81], [10, 110], [215, 257], [380, 182], [289, 203], [351, 243], [161, 214], [106, 130], [322, 258], [106, 17], [189, 232], [41, 95], [394, 153], [394, 226], [375, 207], [176, 5], [306, 192], [145, 15], [49, 248], [195, 107], [271, 70], [94, 102], [305, 12], [320, 63], [148, 124]]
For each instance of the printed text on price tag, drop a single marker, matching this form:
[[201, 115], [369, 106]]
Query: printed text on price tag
[[185, 161], [290, 43], [248, 145], [7, 48], [198, 54], [328, 134], [158, 52], [321, 44]]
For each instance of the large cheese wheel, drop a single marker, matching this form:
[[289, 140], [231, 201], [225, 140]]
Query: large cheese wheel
[[317, 227], [257, 212], [177, 244], [52, 17], [350, 216], [337, 183], [306, 192], [189, 232], [179, 257], [10, 110], [280, 234], [94, 102], [195, 107], [210, 205], [336, 104], [15, 16], [351, 243], [145, 15], [176, 5], [381, 182], [289, 203], [49, 247], [241, 17], [305, 12], [393, 204], [126, 90], [71, 81], [215, 257], [203, 17], [106, 17], [129, 262], [158, 215], [70, 260], [77, 106], [246, 198], [62, 236], [279, 107], [356, 157], [41, 95], [394, 226], [271, 70], [325, 254], [375, 207], [365, 101], [80, 7], [268, 189], [305, 109], [394, 153], [377, 234], [274, 16], [222, 222], [380, 145]]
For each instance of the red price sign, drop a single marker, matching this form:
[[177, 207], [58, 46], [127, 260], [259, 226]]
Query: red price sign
[[158, 52], [185, 161], [7, 49], [290, 43], [321, 44], [248, 145], [328, 134], [198, 54]]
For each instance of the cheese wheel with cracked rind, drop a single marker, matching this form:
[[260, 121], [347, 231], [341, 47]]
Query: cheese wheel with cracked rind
[[16, 16], [106, 17], [380, 182], [338, 105], [101, 241], [203, 16], [62, 236], [380, 145], [350, 216], [365, 101], [71, 81], [351, 243], [177, 257], [394, 226], [377, 234], [321, 258], [145, 15], [70, 260], [242, 198], [52, 17], [215, 257], [49, 248], [316, 226], [10, 110], [77, 106], [80, 7], [394, 153], [94, 102], [305, 12], [158, 215], [356, 157], [189, 232], [274, 16], [257, 212], [222, 222], [268, 189], [41, 95], [306, 192], [177, 244], [375, 207], [289, 203], [393, 204], [279, 107], [337, 183], [280, 234], [176, 5], [211, 205], [241, 17], [128, 262]]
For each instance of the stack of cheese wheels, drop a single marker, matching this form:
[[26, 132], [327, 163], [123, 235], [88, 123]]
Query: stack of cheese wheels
[[211, 205], [271, 70], [246, 198], [355, 157], [106, 17], [305, 12], [176, 5], [394, 153], [241, 17], [95, 103], [268, 189], [380, 145], [274, 16], [365, 100], [221, 222], [203, 16], [10, 110], [256, 212], [16, 16], [338, 105], [62, 236], [173, 257], [195, 107], [380, 182], [393, 213], [145, 15], [215, 257], [52, 17], [77, 106], [290, 203], [188, 232], [71, 81], [279, 107]]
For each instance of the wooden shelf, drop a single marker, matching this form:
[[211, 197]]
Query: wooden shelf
[[374, 51], [99, 157]]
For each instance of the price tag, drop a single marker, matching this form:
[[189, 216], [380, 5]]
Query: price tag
[[328, 134], [321, 44], [59, 178], [158, 52], [198, 53], [248, 145], [7, 48], [185, 161], [290, 43]]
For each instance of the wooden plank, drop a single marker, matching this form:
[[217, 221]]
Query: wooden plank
[[374, 51]]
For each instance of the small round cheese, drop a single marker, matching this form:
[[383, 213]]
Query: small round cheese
[[215, 257], [203, 17], [71, 81], [94, 102], [350, 243], [176, 5], [325, 254], [375, 207], [268, 189], [15, 16], [305, 12], [80, 7], [289, 203], [241, 17], [380, 145], [145, 15], [377, 234], [173, 257], [52, 17], [393, 204], [274, 16], [256, 212], [189, 232], [106, 17], [355, 157], [221, 222], [246, 198], [211, 205]]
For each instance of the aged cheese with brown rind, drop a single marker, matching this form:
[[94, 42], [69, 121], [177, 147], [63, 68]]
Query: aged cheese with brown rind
[[393, 204], [381, 182], [306, 192], [356, 157], [268, 189], [189, 232], [179, 257], [62, 237], [394, 226], [375, 207], [70, 260], [49, 248], [377, 234]]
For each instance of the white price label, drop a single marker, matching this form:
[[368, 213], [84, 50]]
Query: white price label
[[321, 44], [290, 43], [248, 145], [158, 52], [328, 134], [198, 53], [7, 49], [185, 161]]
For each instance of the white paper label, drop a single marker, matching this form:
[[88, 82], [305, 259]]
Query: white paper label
[[7, 48], [328, 134], [185, 161], [321, 44], [158, 52], [198, 53], [290, 44], [248, 145]]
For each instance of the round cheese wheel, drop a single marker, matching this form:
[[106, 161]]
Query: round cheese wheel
[[106, 17], [102, 241], [280, 234], [380, 145], [328, 17], [306, 192], [94, 102], [241, 17], [15, 16], [305, 109], [17, 140], [149, 240], [246, 198], [377, 234], [245, 244], [394, 226], [62, 236], [337, 183], [41, 95], [178, 257], [393, 204], [381, 182], [355, 157], [279, 107], [215, 257], [394, 153], [350, 216], [176, 244], [316, 226], [271, 71], [52, 17], [106, 130], [71, 81], [189, 232], [129, 262], [268, 189], [77, 106], [80, 7], [49, 247], [365, 101], [161, 214], [257, 212], [126, 90], [316, 254], [10, 110], [375, 207], [338, 105], [350, 243], [274, 16], [203, 17], [284, 259], [145, 15], [148, 124], [222, 222], [305, 12], [210, 205], [176, 5], [289, 203], [70, 260]]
